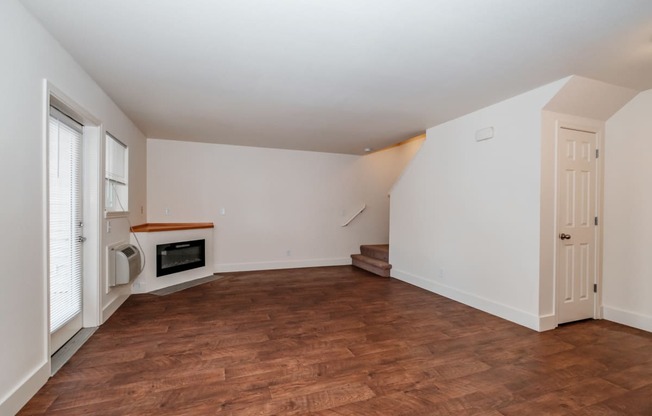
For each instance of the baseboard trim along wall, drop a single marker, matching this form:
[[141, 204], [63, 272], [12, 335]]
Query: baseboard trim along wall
[[629, 318], [547, 322], [486, 305], [113, 306], [275, 265], [11, 404]]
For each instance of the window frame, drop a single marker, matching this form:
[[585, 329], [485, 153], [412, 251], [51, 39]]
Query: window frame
[[116, 201]]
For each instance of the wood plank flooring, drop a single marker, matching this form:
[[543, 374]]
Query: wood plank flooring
[[340, 341]]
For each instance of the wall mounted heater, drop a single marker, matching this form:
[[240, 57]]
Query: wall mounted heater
[[124, 264]]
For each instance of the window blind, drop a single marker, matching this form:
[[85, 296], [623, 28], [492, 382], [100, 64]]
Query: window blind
[[116, 174], [116, 160], [65, 218]]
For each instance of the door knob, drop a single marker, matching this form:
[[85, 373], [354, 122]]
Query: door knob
[[564, 236]]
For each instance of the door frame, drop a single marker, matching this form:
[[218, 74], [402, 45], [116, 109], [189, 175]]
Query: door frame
[[92, 212], [551, 123], [596, 196]]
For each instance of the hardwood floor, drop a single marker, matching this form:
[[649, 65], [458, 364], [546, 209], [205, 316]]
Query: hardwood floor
[[340, 341]]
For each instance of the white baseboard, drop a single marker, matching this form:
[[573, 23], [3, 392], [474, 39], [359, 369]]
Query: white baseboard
[[487, 305], [113, 306], [629, 318], [547, 322], [14, 401], [275, 265]]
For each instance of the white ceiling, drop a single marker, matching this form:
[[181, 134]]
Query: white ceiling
[[338, 75]]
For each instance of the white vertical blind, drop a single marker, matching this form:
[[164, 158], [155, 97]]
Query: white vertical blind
[[65, 218]]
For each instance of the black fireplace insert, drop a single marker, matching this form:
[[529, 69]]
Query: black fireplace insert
[[180, 256]]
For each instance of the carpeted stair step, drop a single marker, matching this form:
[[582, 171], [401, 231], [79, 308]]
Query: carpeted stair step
[[376, 251], [370, 264]]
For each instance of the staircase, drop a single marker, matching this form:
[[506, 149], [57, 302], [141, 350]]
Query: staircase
[[374, 259]]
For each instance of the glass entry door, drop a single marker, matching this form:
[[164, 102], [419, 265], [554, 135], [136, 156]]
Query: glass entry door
[[65, 227]]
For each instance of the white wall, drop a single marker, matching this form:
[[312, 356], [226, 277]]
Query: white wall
[[465, 214], [627, 268], [29, 55], [275, 201]]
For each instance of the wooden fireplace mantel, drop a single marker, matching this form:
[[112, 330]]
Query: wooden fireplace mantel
[[151, 227]]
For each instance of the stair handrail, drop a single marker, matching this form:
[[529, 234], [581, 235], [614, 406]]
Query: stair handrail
[[358, 212]]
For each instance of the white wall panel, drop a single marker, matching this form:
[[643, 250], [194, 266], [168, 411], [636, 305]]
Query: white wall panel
[[465, 214], [282, 208], [627, 296], [31, 55]]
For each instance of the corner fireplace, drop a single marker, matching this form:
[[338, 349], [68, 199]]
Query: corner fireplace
[[180, 256]]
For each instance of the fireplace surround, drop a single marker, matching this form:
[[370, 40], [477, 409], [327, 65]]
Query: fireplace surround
[[151, 235]]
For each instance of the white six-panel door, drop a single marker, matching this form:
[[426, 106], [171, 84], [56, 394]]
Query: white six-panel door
[[576, 224]]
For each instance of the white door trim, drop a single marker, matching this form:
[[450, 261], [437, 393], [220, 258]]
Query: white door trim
[[551, 123], [599, 166], [571, 214], [92, 186]]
